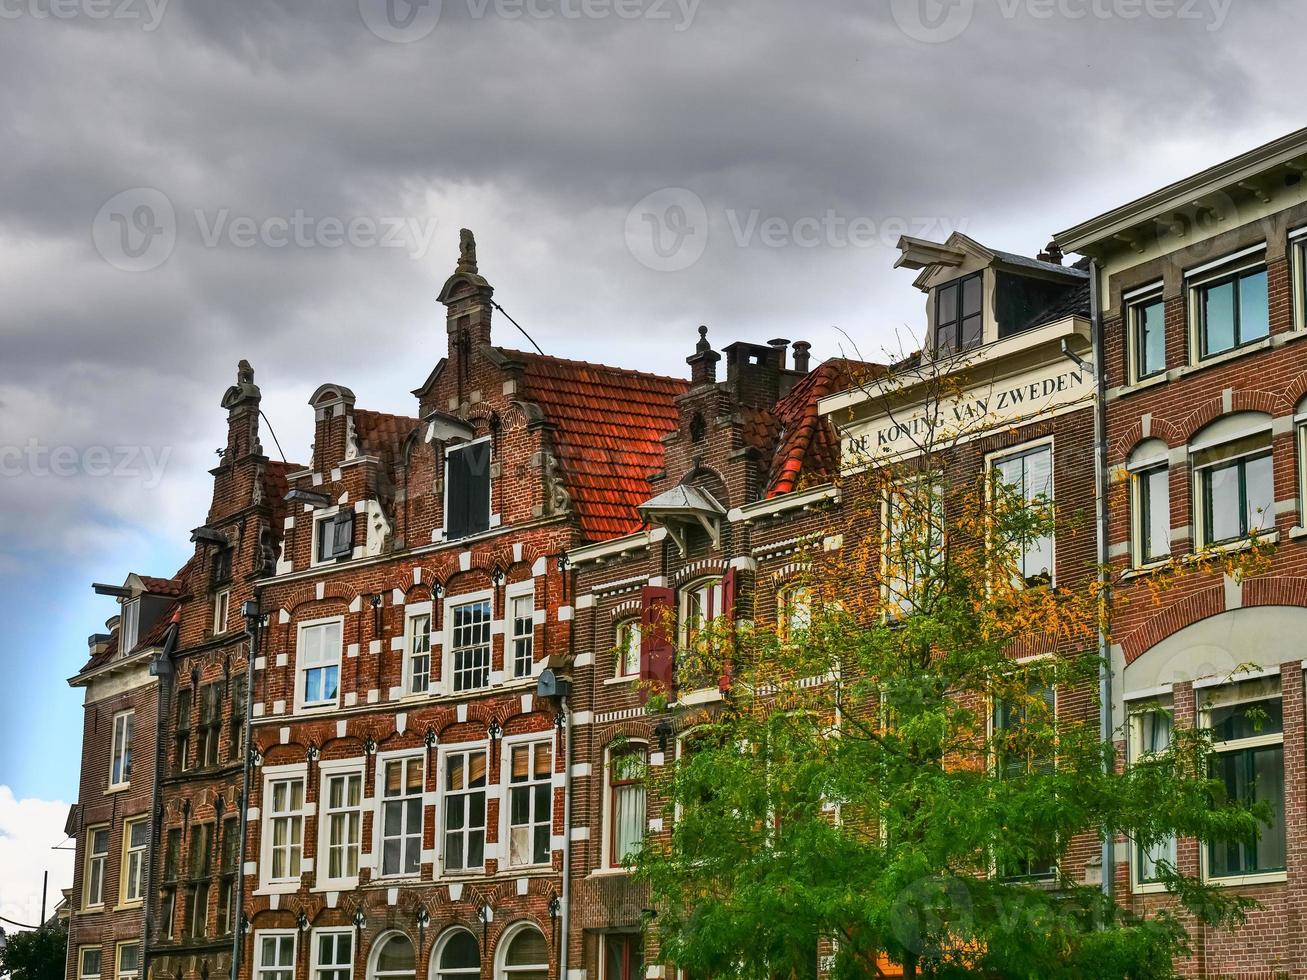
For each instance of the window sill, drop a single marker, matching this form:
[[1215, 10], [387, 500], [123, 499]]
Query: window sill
[[1148, 888], [1174, 374], [278, 887], [135, 903], [1297, 532], [1143, 571], [1233, 547], [621, 680], [341, 885], [704, 695], [120, 788], [609, 873], [1240, 881]]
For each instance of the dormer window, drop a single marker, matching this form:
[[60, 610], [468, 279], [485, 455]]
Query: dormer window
[[467, 489], [959, 315], [128, 631], [334, 538]]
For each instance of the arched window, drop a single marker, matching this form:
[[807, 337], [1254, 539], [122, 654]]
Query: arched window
[[457, 957], [1234, 486], [525, 955], [1150, 499], [393, 958], [628, 647]]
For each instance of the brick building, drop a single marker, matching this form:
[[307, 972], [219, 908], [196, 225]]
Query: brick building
[[1201, 292], [111, 820], [407, 806]]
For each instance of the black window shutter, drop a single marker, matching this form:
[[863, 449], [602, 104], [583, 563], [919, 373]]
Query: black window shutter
[[478, 509], [456, 494], [467, 477]]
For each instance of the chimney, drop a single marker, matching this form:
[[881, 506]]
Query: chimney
[[802, 356], [97, 643], [780, 346], [703, 362], [333, 425], [1052, 253], [467, 299], [753, 373]]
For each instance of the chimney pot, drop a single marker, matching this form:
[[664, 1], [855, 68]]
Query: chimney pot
[[802, 356], [1052, 253]]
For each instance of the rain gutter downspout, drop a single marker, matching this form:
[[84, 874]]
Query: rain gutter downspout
[[253, 619]]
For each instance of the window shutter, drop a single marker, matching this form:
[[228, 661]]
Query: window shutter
[[456, 494], [342, 543], [467, 490], [657, 628]]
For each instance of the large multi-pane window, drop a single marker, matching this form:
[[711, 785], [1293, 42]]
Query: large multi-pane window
[[274, 957], [396, 960], [342, 799], [626, 801], [701, 603], [1248, 758], [1234, 481], [418, 667], [285, 842], [88, 963], [471, 645], [401, 816], [319, 663], [1147, 343], [210, 731], [1028, 476], [239, 693], [959, 315], [1151, 729], [136, 840], [530, 803], [521, 614], [97, 864], [229, 867], [184, 729], [120, 760], [914, 541], [333, 954], [1230, 304], [459, 957], [129, 961], [464, 801]]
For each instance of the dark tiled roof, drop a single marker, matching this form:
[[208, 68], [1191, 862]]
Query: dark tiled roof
[[1075, 302], [609, 428], [809, 449], [175, 588]]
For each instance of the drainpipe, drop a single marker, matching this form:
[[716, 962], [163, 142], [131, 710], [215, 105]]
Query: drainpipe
[[250, 610], [565, 910], [1100, 492], [163, 669]]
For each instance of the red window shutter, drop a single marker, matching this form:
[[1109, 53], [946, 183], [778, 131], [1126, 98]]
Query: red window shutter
[[728, 611], [728, 594], [657, 630]]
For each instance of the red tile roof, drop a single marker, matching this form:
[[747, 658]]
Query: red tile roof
[[809, 448], [164, 586], [382, 435], [608, 437], [274, 477]]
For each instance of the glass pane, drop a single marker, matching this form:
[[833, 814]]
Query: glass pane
[[1156, 513], [1249, 720], [1260, 493], [971, 293], [397, 955], [460, 953], [1268, 775], [527, 949], [1221, 489], [1254, 311], [1217, 304], [948, 305], [973, 329], [1150, 341]]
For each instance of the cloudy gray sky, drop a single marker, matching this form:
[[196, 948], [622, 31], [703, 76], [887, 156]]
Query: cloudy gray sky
[[189, 182]]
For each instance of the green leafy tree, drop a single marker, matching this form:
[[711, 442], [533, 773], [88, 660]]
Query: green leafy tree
[[888, 782], [37, 954]]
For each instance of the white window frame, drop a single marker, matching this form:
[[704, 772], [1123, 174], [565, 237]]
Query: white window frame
[[131, 870], [278, 774], [1298, 264], [897, 579], [512, 594], [221, 611], [1139, 467], [1134, 301], [120, 750], [457, 973], [1266, 689], [529, 740], [625, 629], [608, 842], [1195, 280], [493, 677], [1137, 751], [129, 629], [94, 857], [995, 768], [379, 810], [709, 590], [327, 772], [262, 971], [492, 520], [1199, 472], [319, 517], [118, 972], [82, 972], [302, 668], [991, 464], [317, 969], [505, 972], [465, 749], [412, 613]]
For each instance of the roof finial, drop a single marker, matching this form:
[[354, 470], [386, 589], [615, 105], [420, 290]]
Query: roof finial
[[703, 344], [467, 252], [244, 373]]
